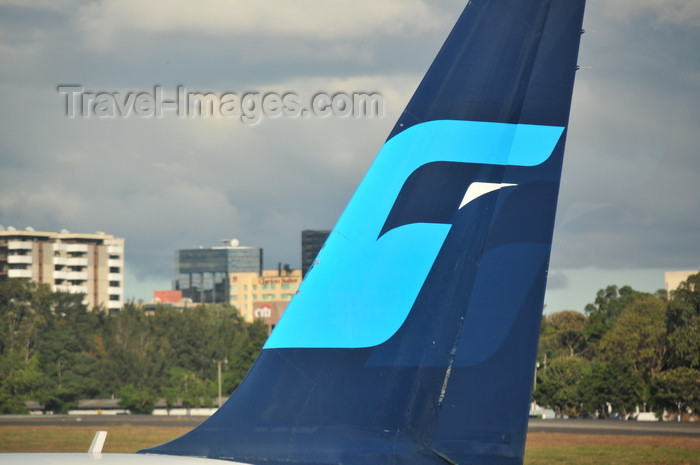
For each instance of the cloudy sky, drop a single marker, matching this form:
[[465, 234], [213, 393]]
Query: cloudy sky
[[630, 200]]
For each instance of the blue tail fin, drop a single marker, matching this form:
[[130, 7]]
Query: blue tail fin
[[413, 338]]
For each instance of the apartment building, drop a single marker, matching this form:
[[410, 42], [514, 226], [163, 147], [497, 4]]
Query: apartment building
[[89, 264]]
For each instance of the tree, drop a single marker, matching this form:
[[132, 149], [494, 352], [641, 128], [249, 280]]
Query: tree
[[192, 391], [136, 400], [608, 305], [19, 381], [129, 340], [54, 350], [558, 385], [60, 400], [45, 339], [612, 384], [677, 390], [570, 327], [635, 342], [68, 351], [21, 316], [683, 323], [246, 348], [639, 337]]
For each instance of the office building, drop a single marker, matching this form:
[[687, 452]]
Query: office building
[[90, 264], [202, 274], [311, 243], [233, 274]]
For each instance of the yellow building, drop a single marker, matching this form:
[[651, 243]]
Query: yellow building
[[263, 296], [673, 279]]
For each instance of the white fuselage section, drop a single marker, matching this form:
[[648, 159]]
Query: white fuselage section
[[106, 459]]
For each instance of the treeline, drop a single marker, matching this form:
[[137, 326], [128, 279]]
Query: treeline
[[630, 350], [54, 351]]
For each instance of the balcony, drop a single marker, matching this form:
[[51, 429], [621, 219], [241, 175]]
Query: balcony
[[115, 277], [76, 275], [19, 245], [19, 274], [26, 259], [115, 263], [76, 248], [115, 249], [60, 275], [77, 261], [72, 289]]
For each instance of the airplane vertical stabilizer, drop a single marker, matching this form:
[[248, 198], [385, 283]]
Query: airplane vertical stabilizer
[[413, 338]]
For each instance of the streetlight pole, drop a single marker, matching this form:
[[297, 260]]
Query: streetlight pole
[[218, 369]]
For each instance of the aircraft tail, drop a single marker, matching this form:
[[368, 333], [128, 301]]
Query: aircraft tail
[[413, 338]]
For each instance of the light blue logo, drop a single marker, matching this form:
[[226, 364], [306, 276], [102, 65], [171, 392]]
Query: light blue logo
[[361, 289]]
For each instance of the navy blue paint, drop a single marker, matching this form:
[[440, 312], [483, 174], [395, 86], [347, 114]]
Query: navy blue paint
[[505, 61], [454, 380], [415, 203]]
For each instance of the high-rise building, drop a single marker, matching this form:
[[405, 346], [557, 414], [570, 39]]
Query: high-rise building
[[673, 279], [90, 264], [311, 243], [233, 274], [264, 296], [202, 274]]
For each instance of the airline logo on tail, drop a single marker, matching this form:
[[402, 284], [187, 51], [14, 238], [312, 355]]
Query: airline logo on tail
[[413, 338], [394, 228]]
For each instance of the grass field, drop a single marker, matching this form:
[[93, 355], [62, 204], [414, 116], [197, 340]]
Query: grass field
[[580, 449], [542, 448]]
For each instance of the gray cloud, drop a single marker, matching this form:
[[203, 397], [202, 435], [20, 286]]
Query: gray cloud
[[104, 22], [628, 194], [630, 177]]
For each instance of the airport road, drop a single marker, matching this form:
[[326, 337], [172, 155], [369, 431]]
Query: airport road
[[625, 428], [611, 427]]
